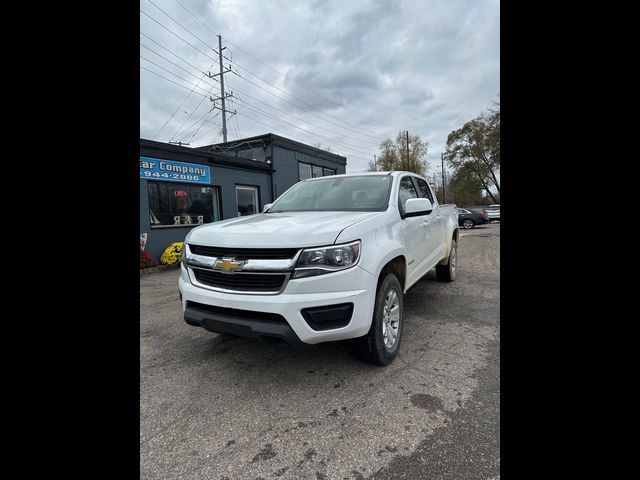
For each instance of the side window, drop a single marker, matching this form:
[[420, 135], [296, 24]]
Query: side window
[[407, 191], [425, 191]]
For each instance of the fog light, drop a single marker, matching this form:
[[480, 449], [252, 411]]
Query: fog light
[[328, 317]]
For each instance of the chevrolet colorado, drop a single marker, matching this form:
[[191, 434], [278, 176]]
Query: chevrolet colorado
[[330, 259]]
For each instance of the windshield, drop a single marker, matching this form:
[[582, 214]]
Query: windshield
[[358, 193]]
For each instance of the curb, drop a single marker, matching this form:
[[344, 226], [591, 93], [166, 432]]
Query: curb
[[159, 268]]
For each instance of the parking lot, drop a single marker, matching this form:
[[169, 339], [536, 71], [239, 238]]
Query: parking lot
[[218, 407]]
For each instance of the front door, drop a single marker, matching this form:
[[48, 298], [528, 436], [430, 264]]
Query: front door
[[412, 230], [435, 225]]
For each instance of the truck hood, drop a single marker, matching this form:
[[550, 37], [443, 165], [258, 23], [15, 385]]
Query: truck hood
[[277, 230]]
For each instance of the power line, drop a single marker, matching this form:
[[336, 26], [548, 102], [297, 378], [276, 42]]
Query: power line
[[252, 73], [301, 101], [247, 106], [273, 69], [183, 27], [298, 118], [176, 110], [350, 147], [173, 63], [202, 122], [257, 100], [169, 80], [289, 135], [183, 101], [176, 35], [187, 119], [290, 103], [184, 79], [161, 101], [303, 129], [199, 128], [165, 48], [209, 132], [253, 98]]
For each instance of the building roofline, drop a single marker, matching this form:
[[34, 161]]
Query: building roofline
[[283, 142], [207, 156]]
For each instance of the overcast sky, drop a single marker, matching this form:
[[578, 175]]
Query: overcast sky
[[346, 74]]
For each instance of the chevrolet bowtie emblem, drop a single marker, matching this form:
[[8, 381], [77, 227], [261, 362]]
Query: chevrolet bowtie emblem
[[228, 265]]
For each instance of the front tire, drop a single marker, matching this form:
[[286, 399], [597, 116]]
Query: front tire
[[467, 223], [380, 346], [447, 273]]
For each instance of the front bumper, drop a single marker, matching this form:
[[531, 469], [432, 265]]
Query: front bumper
[[353, 285]]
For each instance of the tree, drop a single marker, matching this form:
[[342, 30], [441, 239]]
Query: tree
[[464, 188], [394, 155], [476, 147], [321, 147]]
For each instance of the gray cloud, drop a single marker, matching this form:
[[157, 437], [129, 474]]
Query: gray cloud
[[381, 65]]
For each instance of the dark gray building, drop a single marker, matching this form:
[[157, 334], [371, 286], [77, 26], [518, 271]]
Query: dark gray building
[[182, 187]]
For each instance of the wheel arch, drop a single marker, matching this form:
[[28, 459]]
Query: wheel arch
[[397, 266]]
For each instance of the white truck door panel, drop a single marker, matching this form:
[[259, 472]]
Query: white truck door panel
[[434, 226], [420, 234]]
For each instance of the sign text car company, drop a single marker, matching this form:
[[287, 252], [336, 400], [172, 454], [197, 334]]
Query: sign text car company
[[172, 171]]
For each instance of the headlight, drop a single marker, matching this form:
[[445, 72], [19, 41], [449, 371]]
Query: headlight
[[317, 261]]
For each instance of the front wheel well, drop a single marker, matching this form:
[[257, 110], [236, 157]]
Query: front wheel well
[[397, 266]]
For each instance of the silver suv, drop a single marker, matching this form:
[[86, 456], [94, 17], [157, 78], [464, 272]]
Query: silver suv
[[493, 211]]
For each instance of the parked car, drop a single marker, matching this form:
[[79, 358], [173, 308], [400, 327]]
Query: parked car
[[494, 212], [330, 259], [469, 217]]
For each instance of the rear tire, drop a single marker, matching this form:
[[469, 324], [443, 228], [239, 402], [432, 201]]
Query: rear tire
[[447, 273], [467, 223], [380, 346]]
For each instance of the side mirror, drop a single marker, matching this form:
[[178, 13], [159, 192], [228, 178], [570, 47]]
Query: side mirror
[[266, 207], [416, 207]]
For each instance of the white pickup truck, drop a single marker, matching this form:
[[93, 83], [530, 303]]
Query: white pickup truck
[[330, 259]]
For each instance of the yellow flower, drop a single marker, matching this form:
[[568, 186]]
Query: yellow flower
[[172, 254]]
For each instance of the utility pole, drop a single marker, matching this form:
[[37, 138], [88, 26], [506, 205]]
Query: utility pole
[[408, 161], [223, 96], [444, 194]]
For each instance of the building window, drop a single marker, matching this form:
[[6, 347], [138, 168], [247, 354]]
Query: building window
[[247, 200], [180, 204], [304, 170], [258, 154], [313, 171]]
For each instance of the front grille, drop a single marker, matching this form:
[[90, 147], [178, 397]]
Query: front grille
[[244, 253], [246, 282]]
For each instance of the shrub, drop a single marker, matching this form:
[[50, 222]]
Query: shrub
[[146, 260], [172, 254]]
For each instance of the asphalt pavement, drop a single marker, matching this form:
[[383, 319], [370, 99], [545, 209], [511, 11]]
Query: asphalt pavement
[[219, 407]]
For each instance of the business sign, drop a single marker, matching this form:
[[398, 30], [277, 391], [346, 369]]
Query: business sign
[[171, 171]]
